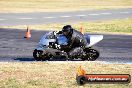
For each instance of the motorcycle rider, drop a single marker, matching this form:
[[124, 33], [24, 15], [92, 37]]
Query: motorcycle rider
[[76, 40]]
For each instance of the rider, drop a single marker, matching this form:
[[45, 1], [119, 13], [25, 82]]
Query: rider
[[76, 40]]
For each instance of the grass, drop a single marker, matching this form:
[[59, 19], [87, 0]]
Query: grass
[[122, 26], [60, 5], [56, 74], [11, 83]]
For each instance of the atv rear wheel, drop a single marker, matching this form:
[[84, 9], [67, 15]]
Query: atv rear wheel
[[91, 55], [81, 80]]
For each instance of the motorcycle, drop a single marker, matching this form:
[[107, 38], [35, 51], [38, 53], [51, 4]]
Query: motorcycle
[[53, 45]]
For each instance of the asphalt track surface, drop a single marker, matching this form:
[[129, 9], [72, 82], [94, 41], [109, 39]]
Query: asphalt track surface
[[8, 19], [14, 47]]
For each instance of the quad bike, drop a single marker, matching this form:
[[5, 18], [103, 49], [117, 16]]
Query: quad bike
[[52, 45]]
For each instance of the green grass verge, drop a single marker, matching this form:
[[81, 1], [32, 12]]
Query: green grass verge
[[60, 5], [56, 74], [123, 26]]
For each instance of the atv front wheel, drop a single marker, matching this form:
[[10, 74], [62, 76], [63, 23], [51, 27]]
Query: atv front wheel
[[37, 55]]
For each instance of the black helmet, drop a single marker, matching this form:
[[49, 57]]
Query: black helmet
[[67, 30]]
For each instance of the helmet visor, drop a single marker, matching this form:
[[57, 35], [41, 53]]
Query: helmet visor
[[65, 33]]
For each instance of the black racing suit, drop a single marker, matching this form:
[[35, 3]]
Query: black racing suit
[[76, 41]]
